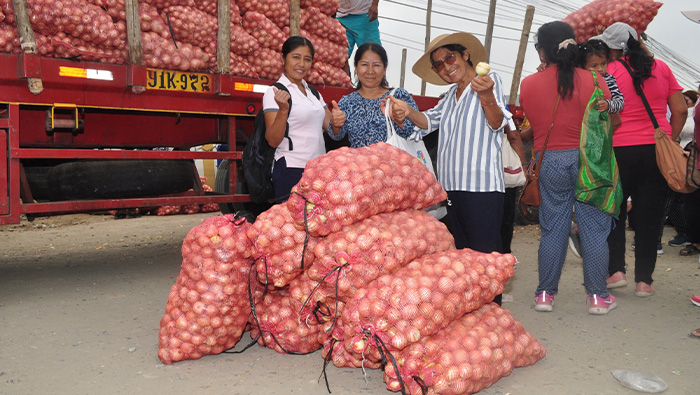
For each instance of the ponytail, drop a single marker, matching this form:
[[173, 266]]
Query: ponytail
[[640, 62], [557, 40]]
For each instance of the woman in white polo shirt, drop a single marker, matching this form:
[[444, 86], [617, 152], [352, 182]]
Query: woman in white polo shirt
[[306, 121]]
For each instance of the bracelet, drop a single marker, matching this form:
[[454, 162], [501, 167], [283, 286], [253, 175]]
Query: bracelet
[[489, 104]]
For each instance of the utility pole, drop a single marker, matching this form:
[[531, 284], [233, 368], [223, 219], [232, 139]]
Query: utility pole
[[517, 72], [427, 38], [489, 29]]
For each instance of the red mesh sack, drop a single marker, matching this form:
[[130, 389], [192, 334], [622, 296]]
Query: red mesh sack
[[399, 309], [162, 53], [378, 245], [276, 10], [277, 324], [348, 185], [331, 75], [167, 210], [316, 22], [328, 7], [333, 351], [327, 51], [9, 40], [266, 62], [470, 354], [161, 4], [278, 247], [264, 30], [211, 8], [208, 307], [593, 18]]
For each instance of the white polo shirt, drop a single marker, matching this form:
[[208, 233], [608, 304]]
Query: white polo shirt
[[353, 7], [305, 124]]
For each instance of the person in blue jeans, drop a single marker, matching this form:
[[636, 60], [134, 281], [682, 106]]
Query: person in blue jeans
[[361, 21]]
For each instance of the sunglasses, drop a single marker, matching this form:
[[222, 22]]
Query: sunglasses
[[440, 64]]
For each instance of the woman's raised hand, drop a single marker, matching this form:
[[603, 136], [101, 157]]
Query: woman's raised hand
[[337, 116], [398, 110], [282, 99]]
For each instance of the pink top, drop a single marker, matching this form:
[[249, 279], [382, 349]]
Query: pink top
[[636, 128], [538, 95]]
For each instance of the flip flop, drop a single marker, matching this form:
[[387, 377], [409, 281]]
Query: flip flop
[[689, 250], [695, 333]]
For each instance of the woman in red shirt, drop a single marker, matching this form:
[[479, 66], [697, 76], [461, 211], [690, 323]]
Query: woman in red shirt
[[558, 96]]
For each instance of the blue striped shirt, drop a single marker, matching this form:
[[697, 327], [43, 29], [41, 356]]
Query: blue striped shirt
[[469, 149]]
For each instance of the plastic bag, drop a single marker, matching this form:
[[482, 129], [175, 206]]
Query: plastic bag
[[640, 381]]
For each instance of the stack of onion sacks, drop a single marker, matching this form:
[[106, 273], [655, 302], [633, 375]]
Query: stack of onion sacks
[[208, 307], [468, 355], [593, 18], [348, 185], [418, 300]]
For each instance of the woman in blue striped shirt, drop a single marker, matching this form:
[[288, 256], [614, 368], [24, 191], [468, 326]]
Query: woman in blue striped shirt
[[471, 117]]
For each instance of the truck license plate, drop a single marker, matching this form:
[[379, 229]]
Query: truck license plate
[[169, 80]]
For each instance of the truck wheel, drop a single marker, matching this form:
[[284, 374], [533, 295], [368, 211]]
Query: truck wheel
[[249, 210], [119, 179]]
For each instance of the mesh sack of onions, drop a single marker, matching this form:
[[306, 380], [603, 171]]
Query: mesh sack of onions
[[264, 30], [192, 26], [334, 352], [211, 8], [333, 76], [314, 78], [348, 185], [209, 207], [149, 18], [378, 245], [470, 354], [276, 10], [277, 324], [43, 44], [161, 4], [72, 47], [399, 309], [76, 18], [162, 53], [8, 11], [189, 208], [239, 65], [9, 40], [327, 51], [328, 7], [593, 18], [316, 22], [167, 210], [208, 307], [267, 63], [311, 298], [278, 247], [242, 42]]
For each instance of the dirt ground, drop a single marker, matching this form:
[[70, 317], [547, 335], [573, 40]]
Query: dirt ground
[[81, 297]]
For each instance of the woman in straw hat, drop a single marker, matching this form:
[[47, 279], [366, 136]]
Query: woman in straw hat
[[471, 116], [555, 100]]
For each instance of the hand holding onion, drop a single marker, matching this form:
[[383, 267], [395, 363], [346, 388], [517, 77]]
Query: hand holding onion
[[482, 68]]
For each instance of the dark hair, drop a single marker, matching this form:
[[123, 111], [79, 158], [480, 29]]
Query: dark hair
[[549, 37], [379, 50], [453, 48], [295, 42], [692, 95], [590, 48], [640, 62]]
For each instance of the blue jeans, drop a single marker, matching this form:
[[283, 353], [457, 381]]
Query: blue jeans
[[558, 177], [360, 30]]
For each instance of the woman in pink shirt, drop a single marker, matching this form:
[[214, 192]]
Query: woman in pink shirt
[[634, 146]]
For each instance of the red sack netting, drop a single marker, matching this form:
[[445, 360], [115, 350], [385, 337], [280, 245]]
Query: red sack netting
[[208, 307], [277, 324], [149, 18], [470, 354], [161, 4], [314, 299], [266, 62], [333, 76], [348, 185], [76, 18], [328, 7], [399, 309], [316, 22], [276, 10], [9, 40], [72, 47], [162, 53], [264, 30], [278, 247], [334, 352], [327, 51], [211, 8], [593, 18], [379, 245]]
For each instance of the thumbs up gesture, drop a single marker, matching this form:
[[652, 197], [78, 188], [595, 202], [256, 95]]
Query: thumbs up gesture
[[337, 116]]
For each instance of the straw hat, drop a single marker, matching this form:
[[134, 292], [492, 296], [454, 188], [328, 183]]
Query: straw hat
[[424, 69], [692, 15]]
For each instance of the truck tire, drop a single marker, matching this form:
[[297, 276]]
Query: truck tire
[[249, 210], [119, 179]]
